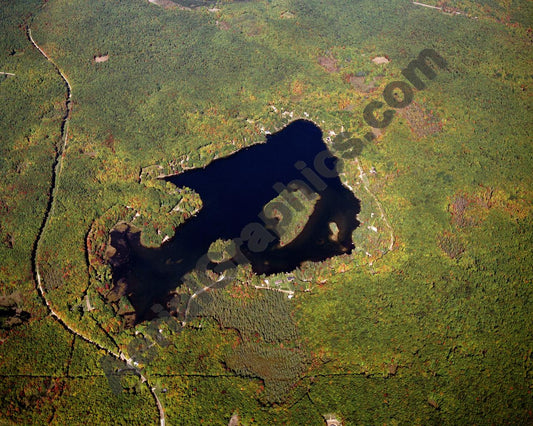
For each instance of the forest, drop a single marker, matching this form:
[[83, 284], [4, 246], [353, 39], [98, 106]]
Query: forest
[[427, 321]]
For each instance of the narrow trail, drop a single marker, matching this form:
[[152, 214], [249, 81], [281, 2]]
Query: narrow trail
[[364, 180], [57, 167], [445, 9], [426, 5], [196, 294]]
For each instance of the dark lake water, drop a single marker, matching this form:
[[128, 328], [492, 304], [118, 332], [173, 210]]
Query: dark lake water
[[234, 191]]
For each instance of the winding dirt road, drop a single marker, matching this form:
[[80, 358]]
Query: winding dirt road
[[56, 172]]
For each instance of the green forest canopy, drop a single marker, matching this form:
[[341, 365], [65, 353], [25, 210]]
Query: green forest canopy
[[437, 330]]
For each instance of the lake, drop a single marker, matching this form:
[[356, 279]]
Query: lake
[[234, 191]]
